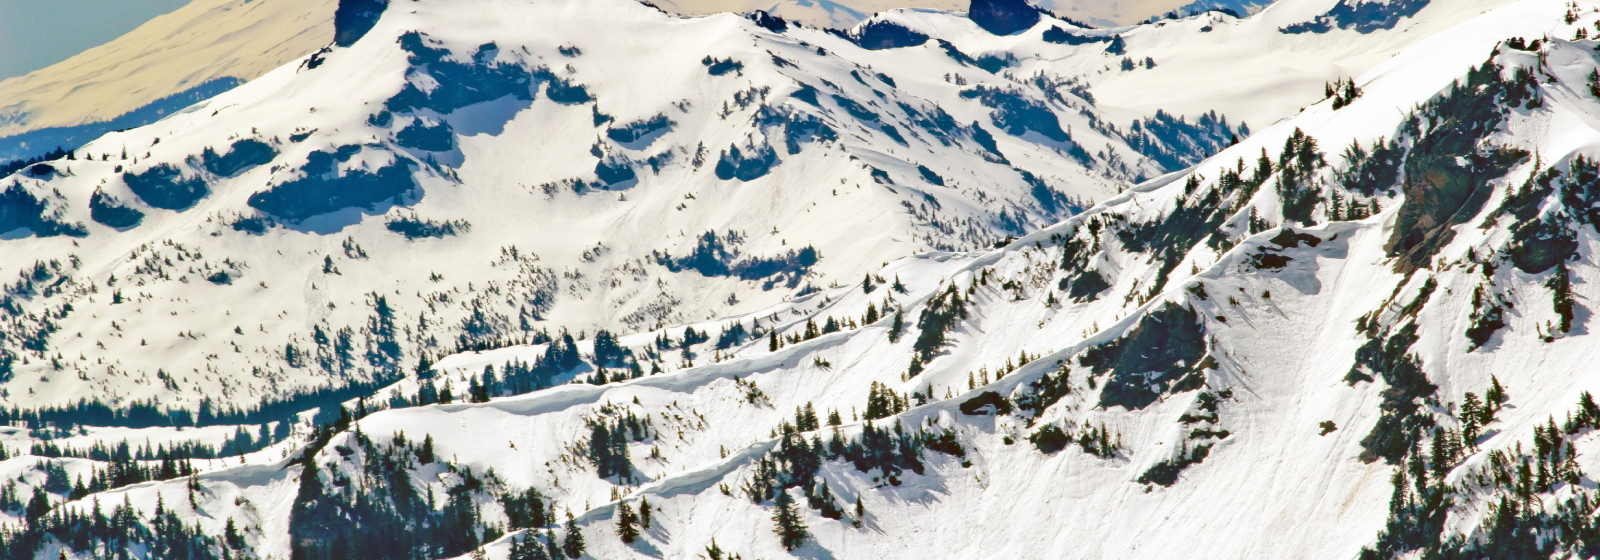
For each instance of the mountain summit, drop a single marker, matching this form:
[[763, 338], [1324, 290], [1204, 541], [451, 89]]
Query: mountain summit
[[1003, 17]]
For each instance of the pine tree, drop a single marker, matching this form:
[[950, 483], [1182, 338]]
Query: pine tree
[[791, 530], [625, 523], [1470, 415], [572, 542], [644, 513], [551, 546], [230, 535], [527, 548], [772, 341], [1496, 398], [425, 453], [898, 326]]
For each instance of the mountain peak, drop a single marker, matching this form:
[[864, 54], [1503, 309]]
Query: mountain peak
[[1003, 17]]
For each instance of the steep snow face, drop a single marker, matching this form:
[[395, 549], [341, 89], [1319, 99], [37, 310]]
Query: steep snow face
[[461, 178], [1315, 344]]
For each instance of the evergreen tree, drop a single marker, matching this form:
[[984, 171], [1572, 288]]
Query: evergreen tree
[[625, 523], [1471, 412], [714, 552], [551, 546], [425, 453], [572, 542], [644, 513], [1496, 397], [791, 530], [897, 327]]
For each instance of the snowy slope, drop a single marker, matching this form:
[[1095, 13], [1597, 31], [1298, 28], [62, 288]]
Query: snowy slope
[[808, 144], [744, 167], [208, 46], [1278, 354]]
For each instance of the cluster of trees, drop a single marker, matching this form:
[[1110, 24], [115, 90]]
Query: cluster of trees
[[533, 546], [240, 443], [1297, 168], [883, 402], [629, 523], [941, 315], [609, 439], [123, 534], [13, 166], [1476, 414], [1097, 441], [384, 515], [1342, 91], [1045, 391], [514, 377], [796, 463], [124, 469], [1520, 524]]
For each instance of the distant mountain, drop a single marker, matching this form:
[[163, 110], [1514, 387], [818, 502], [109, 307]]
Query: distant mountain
[[210, 46], [166, 64]]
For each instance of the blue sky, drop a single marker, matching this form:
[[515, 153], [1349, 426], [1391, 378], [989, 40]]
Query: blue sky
[[37, 33]]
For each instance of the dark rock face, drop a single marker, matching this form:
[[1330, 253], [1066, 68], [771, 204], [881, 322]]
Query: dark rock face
[[768, 21], [243, 155], [1162, 354], [1003, 17], [109, 211], [880, 35], [164, 186], [21, 209], [465, 83], [324, 189], [427, 136], [18, 209], [747, 165], [354, 18]]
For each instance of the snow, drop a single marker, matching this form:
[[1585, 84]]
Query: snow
[[1281, 340]]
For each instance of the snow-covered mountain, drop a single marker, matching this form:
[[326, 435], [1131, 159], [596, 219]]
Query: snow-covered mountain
[[339, 202], [210, 46], [1358, 331]]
